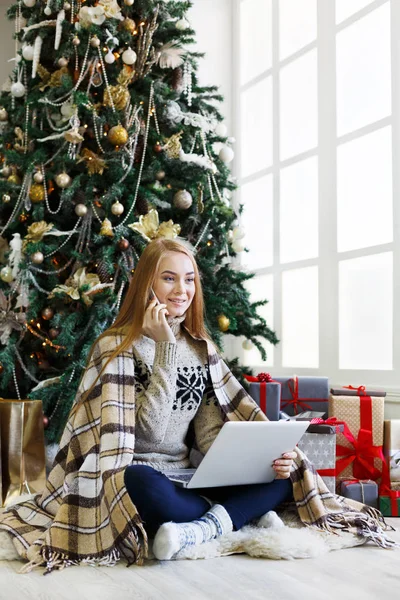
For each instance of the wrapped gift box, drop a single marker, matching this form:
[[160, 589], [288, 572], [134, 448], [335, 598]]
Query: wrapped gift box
[[303, 393], [268, 397], [320, 449], [365, 491], [365, 413], [390, 506], [391, 449]]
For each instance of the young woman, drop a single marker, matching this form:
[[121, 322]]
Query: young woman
[[153, 397]]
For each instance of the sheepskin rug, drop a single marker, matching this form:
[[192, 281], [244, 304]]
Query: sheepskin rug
[[279, 538]]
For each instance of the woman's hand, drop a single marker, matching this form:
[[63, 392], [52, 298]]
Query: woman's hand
[[283, 465], [155, 325]]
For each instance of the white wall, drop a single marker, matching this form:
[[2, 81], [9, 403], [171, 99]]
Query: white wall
[[7, 44]]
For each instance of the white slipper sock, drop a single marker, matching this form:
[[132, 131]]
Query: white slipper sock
[[172, 537], [270, 520]]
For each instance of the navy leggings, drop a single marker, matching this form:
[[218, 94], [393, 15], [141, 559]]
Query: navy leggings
[[158, 500]]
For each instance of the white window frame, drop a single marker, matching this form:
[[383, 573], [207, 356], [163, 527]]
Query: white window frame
[[328, 257]]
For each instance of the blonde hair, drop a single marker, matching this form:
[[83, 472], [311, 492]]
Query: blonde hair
[[131, 315]]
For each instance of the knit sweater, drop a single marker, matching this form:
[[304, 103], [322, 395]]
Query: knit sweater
[[172, 389]]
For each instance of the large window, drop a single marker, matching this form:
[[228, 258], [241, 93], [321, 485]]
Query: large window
[[318, 128]]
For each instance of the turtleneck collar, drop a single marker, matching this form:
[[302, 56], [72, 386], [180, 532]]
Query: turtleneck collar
[[175, 323]]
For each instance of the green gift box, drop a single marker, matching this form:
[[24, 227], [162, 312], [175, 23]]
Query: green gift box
[[389, 507]]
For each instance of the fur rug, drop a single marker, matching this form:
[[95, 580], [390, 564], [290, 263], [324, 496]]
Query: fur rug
[[279, 539]]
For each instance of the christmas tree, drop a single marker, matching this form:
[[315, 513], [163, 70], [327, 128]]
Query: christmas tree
[[107, 141]]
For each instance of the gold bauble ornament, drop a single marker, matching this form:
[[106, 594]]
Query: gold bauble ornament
[[160, 175], [118, 135], [36, 193], [37, 258], [128, 25], [183, 199], [3, 114], [223, 323], [6, 274], [117, 208], [6, 198], [14, 178], [63, 180], [81, 210]]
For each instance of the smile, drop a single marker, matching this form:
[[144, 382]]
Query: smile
[[177, 301]]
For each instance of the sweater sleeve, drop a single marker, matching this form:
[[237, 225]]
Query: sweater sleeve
[[208, 420], [154, 397]]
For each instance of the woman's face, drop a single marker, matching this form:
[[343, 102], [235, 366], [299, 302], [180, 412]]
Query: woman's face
[[174, 283]]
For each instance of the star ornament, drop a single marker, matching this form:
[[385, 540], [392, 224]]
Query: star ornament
[[149, 227]]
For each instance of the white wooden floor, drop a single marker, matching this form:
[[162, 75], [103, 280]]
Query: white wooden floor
[[363, 573]]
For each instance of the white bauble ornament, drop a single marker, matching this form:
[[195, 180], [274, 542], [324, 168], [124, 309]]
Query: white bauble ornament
[[27, 52], [62, 62], [17, 89], [221, 130], [129, 57], [182, 24], [109, 58], [238, 246], [229, 236], [38, 177], [247, 345], [67, 6], [117, 208], [183, 199], [6, 171], [81, 210], [29, 3], [6, 274], [47, 11], [63, 180], [226, 154]]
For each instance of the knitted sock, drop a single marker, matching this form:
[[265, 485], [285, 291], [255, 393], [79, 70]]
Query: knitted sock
[[173, 537], [270, 520]]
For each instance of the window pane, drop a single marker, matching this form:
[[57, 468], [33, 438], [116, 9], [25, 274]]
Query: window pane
[[255, 38], [298, 110], [365, 216], [261, 288], [297, 25], [365, 312], [256, 127], [299, 211], [300, 345], [346, 8], [363, 71], [257, 221]]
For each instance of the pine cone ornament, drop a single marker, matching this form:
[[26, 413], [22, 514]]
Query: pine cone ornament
[[142, 206], [139, 149], [177, 79], [103, 272]]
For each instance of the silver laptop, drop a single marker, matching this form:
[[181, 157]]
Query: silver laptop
[[242, 453]]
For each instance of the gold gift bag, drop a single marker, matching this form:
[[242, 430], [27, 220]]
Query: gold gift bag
[[22, 457]]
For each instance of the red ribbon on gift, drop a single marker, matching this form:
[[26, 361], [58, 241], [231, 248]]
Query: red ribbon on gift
[[331, 421], [293, 385], [326, 472], [360, 389], [262, 379]]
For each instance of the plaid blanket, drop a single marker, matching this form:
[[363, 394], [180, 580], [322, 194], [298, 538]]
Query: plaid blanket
[[85, 514]]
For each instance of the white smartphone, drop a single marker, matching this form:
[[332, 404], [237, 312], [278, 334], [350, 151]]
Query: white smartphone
[[153, 296]]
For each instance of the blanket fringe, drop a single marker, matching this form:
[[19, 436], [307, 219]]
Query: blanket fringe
[[366, 524]]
